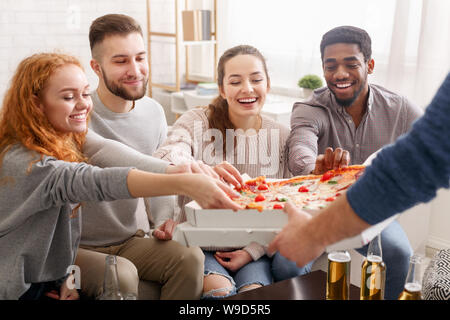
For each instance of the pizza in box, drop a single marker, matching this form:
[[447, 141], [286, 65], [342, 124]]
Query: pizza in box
[[310, 192]]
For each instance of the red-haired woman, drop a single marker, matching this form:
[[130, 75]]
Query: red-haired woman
[[43, 177]]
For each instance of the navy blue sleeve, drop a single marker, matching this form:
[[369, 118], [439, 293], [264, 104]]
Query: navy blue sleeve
[[411, 170]]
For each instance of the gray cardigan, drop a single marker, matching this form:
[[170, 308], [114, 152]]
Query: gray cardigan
[[38, 234]]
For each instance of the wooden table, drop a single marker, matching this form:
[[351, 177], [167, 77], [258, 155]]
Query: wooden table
[[311, 286]]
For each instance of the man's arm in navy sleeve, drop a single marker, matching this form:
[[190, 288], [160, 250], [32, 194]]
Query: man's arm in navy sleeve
[[411, 170]]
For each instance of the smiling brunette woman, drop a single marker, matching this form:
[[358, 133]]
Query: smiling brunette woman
[[43, 124], [256, 147]]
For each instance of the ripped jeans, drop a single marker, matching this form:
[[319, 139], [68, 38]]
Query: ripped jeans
[[261, 271], [254, 272]]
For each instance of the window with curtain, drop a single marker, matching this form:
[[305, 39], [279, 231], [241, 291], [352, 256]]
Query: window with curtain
[[410, 38]]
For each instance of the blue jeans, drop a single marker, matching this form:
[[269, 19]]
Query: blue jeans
[[283, 269], [254, 272], [261, 271], [396, 251]]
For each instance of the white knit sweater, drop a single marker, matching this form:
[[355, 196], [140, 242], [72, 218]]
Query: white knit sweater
[[255, 153]]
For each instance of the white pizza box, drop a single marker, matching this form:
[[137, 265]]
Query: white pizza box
[[191, 236], [253, 218], [226, 218], [233, 237]]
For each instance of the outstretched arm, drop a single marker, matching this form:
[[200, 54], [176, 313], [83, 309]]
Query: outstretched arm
[[302, 144], [208, 192], [104, 153]]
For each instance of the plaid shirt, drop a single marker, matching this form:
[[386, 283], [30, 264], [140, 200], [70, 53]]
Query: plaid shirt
[[321, 122]]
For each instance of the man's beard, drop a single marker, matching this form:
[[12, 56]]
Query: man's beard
[[120, 91], [348, 102]]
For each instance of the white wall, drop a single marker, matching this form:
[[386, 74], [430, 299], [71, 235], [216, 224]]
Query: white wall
[[428, 225], [439, 236], [30, 26]]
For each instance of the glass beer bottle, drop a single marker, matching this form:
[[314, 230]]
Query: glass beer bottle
[[413, 285], [373, 272], [111, 290], [338, 276]]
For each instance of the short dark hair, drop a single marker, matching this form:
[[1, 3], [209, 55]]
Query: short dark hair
[[348, 34], [112, 24]]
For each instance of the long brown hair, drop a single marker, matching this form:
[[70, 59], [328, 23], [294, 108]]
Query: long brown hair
[[218, 109], [21, 120]]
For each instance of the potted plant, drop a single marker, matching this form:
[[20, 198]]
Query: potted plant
[[308, 83]]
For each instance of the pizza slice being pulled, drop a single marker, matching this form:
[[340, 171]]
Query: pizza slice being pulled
[[310, 192]]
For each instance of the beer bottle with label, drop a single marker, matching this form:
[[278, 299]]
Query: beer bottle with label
[[413, 284], [373, 272], [111, 290], [338, 276]]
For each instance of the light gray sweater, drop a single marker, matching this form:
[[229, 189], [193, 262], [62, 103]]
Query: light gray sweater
[[139, 132], [38, 236]]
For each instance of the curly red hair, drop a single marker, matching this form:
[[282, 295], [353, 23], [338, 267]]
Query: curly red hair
[[21, 121]]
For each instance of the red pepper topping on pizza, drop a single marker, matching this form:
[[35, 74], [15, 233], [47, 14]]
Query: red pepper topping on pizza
[[326, 176], [259, 198]]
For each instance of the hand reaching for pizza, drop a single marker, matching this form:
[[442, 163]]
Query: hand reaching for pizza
[[192, 167], [165, 231], [229, 174], [209, 193], [233, 260], [330, 160], [223, 170]]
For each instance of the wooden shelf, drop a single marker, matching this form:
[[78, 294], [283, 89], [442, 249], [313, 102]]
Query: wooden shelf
[[198, 43], [162, 34], [179, 46]]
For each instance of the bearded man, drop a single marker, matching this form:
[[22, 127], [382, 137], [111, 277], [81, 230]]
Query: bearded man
[[123, 113]]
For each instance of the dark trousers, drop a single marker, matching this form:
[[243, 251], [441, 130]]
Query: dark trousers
[[37, 290]]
